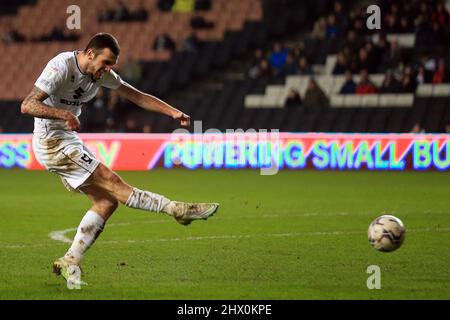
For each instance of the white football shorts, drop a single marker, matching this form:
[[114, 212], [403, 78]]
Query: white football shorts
[[64, 153]]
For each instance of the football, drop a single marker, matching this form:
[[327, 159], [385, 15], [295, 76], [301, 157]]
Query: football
[[386, 233]]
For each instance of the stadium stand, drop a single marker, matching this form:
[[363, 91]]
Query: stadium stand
[[217, 75]]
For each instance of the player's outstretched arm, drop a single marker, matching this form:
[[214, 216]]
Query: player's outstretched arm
[[151, 103], [33, 105]]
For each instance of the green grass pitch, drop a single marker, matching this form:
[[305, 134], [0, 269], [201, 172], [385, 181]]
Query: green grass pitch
[[294, 235]]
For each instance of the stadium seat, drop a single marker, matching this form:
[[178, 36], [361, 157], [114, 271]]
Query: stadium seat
[[253, 101], [370, 100], [424, 90], [337, 100], [441, 90], [387, 100], [352, 100]]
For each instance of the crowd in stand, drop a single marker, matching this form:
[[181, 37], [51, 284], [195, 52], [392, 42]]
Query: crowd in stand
[[56, 34], [364, 52], [120, 13]]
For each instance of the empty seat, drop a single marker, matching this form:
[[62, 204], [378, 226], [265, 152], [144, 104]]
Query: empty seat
[[352, 100], [370, 100], [253, 101], [387, 100], [424, 90], [441, 90]]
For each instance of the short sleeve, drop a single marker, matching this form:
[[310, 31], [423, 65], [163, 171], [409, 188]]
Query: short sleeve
[[111, 80], [52, 77]]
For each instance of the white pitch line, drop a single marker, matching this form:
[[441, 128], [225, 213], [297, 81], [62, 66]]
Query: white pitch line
[[63, 238], [60, 235]]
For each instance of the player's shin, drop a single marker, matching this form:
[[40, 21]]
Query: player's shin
[[89, 229], [146, 200]]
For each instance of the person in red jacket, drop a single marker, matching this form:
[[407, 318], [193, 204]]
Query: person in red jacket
[[365, 86]]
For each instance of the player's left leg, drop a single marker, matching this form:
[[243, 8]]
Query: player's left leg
[[89, 229], [184, 213]]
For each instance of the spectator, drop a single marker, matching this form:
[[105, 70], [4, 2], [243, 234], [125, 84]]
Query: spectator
[[293, 99], [423, 19], [299, 51], [183, 6], [254, 69], [107, 14], [147, 128], [121, 13], [365, 86], [314, 96], [319, 29], [421, 76], [131, 126], [57, 34], [353, 41], [265, 71], [165, 5], [447, 127], [332, 30], [405, 25], [440, 16], [437, 34], [440, 75], [290, 67], [417, 128], [390, 84], [392, 58], [13, 36], [341, 64], [278, 57], [381, 48], [429, 63], [198, 22], [391, 24], [363, 61], [408, 84], [304, 68], [164, 42], [341, 17], [191, 43], [202, 5], [140, 14], [359, 23], [349, 86]]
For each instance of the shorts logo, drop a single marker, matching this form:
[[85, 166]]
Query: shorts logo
[[86, 158]]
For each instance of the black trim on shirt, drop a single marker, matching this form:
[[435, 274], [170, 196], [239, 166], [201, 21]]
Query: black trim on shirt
[[78, 66]]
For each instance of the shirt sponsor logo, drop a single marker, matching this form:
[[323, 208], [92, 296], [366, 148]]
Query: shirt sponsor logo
[[71, 103]]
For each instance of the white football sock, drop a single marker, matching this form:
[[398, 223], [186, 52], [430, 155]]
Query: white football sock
[[146, 200], [89, 229]]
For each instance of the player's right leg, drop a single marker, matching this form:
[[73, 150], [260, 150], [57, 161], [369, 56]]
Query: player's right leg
[[89, 229], [184, 213]]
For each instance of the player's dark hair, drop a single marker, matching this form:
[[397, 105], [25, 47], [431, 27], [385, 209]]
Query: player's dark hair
[[101, 41]]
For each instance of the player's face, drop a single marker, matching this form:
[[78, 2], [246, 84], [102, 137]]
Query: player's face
[[102, 62]]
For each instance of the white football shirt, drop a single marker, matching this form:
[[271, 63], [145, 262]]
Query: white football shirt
[[68, 88]]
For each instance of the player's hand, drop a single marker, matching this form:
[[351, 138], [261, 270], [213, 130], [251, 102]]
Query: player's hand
[[185, 120], [72, 122]]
